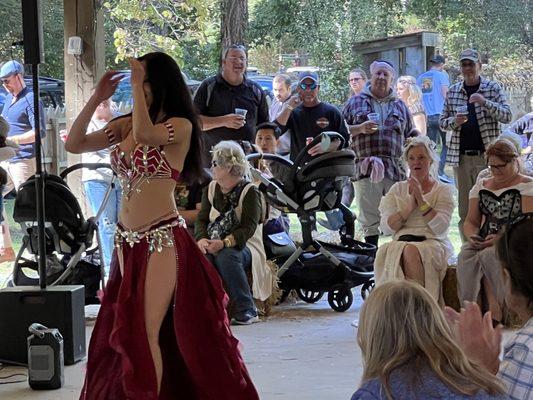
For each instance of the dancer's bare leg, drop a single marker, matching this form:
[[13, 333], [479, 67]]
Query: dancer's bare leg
[[158, 293]]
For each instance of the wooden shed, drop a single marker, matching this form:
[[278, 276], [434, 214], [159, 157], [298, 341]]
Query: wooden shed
[[409, 53]]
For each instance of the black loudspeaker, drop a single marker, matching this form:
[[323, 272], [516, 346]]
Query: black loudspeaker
[[60, 307], [32, 29]]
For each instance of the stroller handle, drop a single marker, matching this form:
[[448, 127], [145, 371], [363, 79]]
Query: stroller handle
[[91, 166], [269, 157], [331, 134]]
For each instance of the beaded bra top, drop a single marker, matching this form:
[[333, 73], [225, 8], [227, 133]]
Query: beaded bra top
[[146, 163]]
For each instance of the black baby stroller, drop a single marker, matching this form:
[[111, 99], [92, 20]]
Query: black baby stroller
[[312, 184], [70, 257]]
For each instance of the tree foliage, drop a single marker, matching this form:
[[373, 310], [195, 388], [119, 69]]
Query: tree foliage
[[53, 42]]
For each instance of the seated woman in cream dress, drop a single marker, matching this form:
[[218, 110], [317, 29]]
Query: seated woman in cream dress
[[417, 213]]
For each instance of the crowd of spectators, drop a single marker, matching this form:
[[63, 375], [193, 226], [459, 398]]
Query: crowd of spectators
[[393, 125]]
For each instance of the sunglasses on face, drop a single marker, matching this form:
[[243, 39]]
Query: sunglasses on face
[[305, 86], [7, 80]]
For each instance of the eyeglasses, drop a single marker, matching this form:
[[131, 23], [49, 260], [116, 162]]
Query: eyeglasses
[[311, 86], [235, 59], [7, 80], [355, 79], [498, 167]]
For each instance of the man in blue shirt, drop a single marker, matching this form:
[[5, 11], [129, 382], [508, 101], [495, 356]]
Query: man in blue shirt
[[18, 111], [434, 85]]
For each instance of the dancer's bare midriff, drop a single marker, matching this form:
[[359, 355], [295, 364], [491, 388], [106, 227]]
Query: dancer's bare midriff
[[155, 199]]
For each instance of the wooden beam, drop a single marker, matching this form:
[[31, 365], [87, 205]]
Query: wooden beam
[[83, 18]]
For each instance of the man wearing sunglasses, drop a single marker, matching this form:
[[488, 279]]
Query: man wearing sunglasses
[[229, 104], [18, 111], [473, 111], [305, 116]]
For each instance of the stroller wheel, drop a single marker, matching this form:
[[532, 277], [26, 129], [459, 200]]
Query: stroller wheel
[[367, 287], [309, 296], [340, 298]]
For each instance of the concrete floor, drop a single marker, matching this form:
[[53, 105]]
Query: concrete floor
[[302, 351]]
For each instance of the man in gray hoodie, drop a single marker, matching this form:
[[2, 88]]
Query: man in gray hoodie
[[379, 123]]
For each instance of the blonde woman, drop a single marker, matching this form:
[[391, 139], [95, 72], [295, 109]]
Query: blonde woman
[[417, 213], [411, 95], [409, 353]]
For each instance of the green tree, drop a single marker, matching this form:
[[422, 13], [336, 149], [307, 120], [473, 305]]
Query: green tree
[[53, 43]]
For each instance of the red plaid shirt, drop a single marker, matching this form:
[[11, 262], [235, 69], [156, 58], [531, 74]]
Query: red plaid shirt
[[387, 143]]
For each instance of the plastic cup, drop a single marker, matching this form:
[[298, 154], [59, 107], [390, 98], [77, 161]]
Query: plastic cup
[[241, 111], [462, 110], [375, 118]]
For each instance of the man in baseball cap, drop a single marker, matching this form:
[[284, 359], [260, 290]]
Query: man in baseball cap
[[19, 113], [304, 115], [434, 85], [473, 111]]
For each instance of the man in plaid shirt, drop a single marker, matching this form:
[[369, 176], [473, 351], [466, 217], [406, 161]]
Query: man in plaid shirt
[[377, 143], [473, 111]]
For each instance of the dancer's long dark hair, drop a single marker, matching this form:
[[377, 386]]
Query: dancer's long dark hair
[[171, 96]]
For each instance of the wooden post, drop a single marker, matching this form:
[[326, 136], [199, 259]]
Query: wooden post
[[83, 18]]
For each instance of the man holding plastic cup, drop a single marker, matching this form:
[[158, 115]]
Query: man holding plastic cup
[[473, 111], [229, 104], [379, 124]]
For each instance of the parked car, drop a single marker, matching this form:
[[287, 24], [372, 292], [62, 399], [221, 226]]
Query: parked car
[[123, 92], [52, 91], [265, 81]]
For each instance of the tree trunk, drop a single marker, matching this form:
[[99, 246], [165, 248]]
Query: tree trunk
[[234, 22]]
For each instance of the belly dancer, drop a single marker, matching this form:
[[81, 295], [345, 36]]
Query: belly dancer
[[162, 331]]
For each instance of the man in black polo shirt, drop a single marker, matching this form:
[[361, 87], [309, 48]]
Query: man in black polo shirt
[[222, 99], [19, 113]]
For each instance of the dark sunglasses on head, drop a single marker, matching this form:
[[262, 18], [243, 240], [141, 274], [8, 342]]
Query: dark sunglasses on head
[[311, 86], [214, 163]]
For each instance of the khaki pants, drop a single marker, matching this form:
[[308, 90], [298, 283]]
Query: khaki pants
[[368, 196], [17, 173], [465, 177]]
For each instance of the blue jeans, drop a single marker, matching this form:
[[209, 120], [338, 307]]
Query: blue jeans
[[232, 265], [95, 191], [434, 133]]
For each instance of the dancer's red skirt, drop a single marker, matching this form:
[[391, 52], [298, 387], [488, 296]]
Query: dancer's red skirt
[[201, 360]]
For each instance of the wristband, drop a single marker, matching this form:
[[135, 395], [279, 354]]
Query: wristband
[[424, 207], [290, 107]]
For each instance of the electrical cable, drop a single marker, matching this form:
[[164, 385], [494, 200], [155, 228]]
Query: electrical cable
[[2, 378]]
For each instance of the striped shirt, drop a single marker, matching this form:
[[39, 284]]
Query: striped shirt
[[516, 369], [489, 116]]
